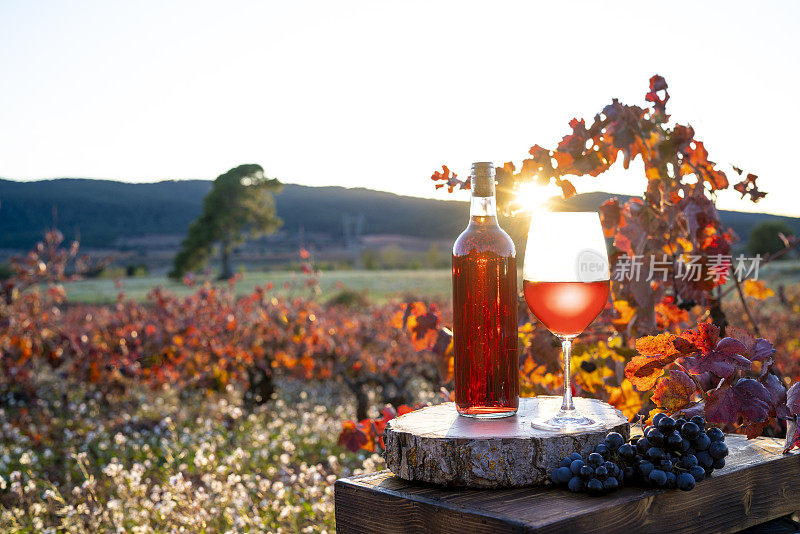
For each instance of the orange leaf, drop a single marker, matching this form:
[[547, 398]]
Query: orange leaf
[[656, 352], [625, 311], [660, 345], [669, 314], [757, 289], [626, 399]]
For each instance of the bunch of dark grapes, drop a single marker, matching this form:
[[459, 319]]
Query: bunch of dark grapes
[[599, 473], [678, 453], [672, 453]]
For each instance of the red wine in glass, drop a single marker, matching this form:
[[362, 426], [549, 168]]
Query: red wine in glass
[[566, 308], [566, 286]]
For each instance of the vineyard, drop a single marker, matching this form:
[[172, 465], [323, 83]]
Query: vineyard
[[216, 408]]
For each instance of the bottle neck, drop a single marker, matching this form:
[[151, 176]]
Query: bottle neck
[[483, 209]]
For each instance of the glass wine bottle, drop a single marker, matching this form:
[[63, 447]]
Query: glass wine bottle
[[486, 364]]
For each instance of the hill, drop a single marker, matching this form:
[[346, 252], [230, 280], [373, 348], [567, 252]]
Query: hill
[[103, 212]]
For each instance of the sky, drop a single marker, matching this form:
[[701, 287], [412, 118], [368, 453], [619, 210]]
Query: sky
[[380, 94]]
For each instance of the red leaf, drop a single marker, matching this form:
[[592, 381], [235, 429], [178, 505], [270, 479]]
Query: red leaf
[[748, 400], [352, 437], [792, 436], [611, 216], [702, 340], [567, 189], [777, 391], [793, 407], [674, 392], [748, 187], [657, 84], [404, 409], [723, 360]]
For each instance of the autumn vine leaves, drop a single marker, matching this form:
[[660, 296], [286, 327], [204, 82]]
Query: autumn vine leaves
[[686, 371]]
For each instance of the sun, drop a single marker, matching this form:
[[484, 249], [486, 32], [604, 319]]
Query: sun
[[531, 198]]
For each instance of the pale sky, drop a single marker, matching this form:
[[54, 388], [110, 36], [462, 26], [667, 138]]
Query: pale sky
[[379, 94]]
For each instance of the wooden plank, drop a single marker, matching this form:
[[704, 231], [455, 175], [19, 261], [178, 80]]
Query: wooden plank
[[757, 484]]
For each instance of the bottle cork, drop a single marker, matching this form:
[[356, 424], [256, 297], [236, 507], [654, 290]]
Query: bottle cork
[[482, 178]]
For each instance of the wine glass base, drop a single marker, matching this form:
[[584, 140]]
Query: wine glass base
[[566, 421]]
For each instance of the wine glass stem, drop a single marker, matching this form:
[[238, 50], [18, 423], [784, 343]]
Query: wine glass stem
[[566, 349]]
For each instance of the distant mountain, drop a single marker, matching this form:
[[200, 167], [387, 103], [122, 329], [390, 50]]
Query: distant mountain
[[101, 212]]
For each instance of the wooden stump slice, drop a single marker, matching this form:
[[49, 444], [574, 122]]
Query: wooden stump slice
[[438, 446]]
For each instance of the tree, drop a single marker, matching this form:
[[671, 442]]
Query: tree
[[241, 199], [765, 238]]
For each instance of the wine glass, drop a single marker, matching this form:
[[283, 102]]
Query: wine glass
[[566, 285]]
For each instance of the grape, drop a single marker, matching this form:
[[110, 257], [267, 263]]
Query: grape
[[657, 477], [654, 454], [575, 456], [601, 473], [658, 417], [575, 466], [690, 430], [685, 482], [679, 422], [665, 464], [565, 462], [626, 451], [594, 487], [702, 442], [575, 484], [674, 441], [666, 425], [671, 480], [629, 472], [704, 459], [595, 459], [614, 440], [715, 434], [561, 475], [602, 450], [718, 450], [690, 460], [587, 472], [699, 421], [643, 444], [655, 436], [612, 468], [698, 473], [610, 484], [719, 464], [686, 446], [645, 468]]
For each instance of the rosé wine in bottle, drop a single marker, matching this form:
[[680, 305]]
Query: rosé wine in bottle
[[486, 364]]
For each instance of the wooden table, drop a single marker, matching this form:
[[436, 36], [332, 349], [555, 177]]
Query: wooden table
[[758, 484]]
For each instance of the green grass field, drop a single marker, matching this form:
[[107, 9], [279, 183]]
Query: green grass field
[[377, 285]]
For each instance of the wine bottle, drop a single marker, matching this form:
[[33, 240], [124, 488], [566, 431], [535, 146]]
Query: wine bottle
[[486, 363]]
